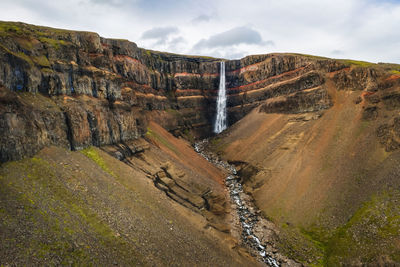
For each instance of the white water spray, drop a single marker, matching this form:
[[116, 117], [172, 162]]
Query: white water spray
[[220, 122]]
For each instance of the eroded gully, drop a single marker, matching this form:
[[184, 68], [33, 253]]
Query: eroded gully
[[252, 226]]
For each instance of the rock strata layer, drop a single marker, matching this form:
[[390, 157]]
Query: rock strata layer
[[91, 90]]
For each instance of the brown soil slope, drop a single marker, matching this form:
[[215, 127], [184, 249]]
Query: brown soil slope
[[331, 175], [88, 208]]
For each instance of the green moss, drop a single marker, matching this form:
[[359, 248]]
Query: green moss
[[311, 56], [53, 42], [9, 27], [300, 244], [91, 153], [157, 54], [25, 43], [147, 52], [47, 70], [395, 71], [356, 63], [367, 234], [41, 61], [172, 111]]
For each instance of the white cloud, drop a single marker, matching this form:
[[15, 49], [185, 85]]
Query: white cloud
[[160, 34], [235, 36], [201, 18], [359, 29]]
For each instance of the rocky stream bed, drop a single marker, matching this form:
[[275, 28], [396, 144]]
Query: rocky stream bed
[[247, 214]]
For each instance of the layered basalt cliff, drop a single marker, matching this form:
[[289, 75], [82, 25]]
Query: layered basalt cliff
[[88, 90]]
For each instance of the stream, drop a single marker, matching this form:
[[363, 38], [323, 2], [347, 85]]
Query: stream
[[248, 217]]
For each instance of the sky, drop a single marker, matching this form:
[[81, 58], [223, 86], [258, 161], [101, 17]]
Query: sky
[[356, 29]]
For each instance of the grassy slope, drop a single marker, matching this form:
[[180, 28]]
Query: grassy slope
[[28, 37], [87, 208], [321, 180]]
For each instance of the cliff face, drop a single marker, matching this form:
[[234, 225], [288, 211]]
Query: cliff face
[[97, 91], [89, 90]]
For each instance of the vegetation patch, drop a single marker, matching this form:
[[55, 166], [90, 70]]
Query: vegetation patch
[[301, 245], [41, 61], [45, 222], [9, 27], [311, 56], [356, 63], [371, 232], [52, 42], [92, 154]]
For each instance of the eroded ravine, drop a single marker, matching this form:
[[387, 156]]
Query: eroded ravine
[[246, 213]]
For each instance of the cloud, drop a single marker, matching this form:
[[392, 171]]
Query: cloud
[[177, 40], [160, 34], [309, 26], [176, 44], [109, 2], [201, 18], [235, 55], [337, 52], [235, 36]]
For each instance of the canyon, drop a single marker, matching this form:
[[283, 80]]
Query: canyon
[[98, 165]]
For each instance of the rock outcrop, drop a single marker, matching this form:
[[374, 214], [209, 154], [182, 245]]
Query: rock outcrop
[[91, 90]]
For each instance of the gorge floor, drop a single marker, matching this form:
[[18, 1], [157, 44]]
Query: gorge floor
[[255, 232]]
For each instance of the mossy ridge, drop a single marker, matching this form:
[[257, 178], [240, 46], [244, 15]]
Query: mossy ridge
[[370, 231], [395, 72], [356, 63], [27, 35], [56, 43], [299, 244], [150, 53], [41, 61], [19, 55], [57, 218], [92, 154], [368, 234], [20, 28], [9, 27], [348, 62], [310, 56]]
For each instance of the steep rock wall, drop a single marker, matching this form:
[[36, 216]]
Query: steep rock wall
[[104, 91]]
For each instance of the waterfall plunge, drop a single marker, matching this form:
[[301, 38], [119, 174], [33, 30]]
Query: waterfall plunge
[[220, 122]]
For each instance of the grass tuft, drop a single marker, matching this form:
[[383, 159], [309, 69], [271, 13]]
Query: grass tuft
[[92, 154]]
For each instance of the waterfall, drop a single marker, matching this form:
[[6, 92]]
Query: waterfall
[[220, 122]]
